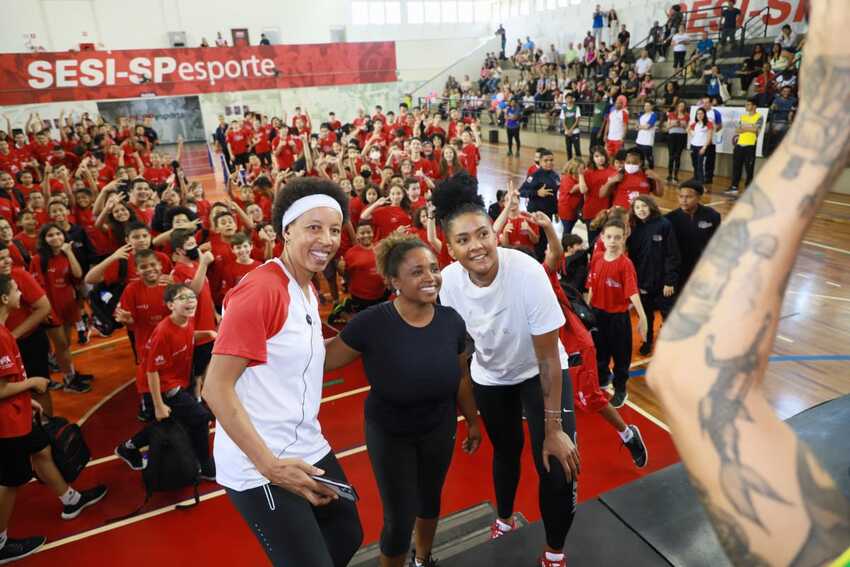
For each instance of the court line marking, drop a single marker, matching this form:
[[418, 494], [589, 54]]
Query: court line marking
[[98, 345], [820, 296], [827, 247], [837, 203], [784, 338], [103, 401], [833, 284]]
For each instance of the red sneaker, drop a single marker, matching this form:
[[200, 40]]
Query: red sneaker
[[496, 532], [562, 562]]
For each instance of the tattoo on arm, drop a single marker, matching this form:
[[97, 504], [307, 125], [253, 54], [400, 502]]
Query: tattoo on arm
[[720, 414]]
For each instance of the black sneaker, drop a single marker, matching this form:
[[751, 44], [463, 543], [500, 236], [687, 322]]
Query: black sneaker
[[54, 385], [20, 548], [636, 447], [645, 349], [87, 498], [133, 457], [619, 399], [144, 415], [77, 386], [82, 336], [208, 471], [430, 562], [84, 377]]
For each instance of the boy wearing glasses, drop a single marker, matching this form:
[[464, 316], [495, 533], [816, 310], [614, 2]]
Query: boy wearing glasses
[[167, 361]]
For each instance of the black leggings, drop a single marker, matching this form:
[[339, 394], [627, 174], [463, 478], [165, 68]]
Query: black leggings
[[501, 410], [573, 144], [410, 471], [295, 533], [613, 340], [513, 134], [675, 146]]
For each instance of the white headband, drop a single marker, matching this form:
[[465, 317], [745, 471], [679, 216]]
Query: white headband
[[308, 203]]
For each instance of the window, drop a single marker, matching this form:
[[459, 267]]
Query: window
[[540, 4], [576, 2], [432, 12], [449, 12], [376, 13], [483, 11], [505, 7], [360, 13], [514, 8], [524, 7], [393, 11], [562, 3], [465, 12], [415, 13], [550, 4]]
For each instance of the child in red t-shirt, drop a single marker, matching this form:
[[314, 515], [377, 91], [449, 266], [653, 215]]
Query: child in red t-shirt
[[388, 213], [167, 363], [636, 180], [358, 266], [570, 194], [23, 443], [596, 176], [612, 287], [235, 268]]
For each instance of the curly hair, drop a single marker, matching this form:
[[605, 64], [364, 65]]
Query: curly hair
[[303, 187], [391, 251], [455, 196]]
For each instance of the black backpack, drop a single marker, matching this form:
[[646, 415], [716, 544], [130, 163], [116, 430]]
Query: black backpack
[[171, 463], [580, 306], [70, 452], [104, 298]]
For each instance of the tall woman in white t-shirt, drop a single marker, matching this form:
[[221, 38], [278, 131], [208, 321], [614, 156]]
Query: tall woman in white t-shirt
[[264, 385], [700, 131], [519, 365]]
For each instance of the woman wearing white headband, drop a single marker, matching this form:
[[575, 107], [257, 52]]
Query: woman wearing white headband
[[264, 385]]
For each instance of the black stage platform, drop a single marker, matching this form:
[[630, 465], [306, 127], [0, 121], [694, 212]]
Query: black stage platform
[[657, 520]]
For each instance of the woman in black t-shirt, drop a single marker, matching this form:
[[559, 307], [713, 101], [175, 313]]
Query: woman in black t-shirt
[[414, 355]]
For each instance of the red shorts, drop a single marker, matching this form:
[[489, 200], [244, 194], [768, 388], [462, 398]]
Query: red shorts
[[586, 391], [612, 147]]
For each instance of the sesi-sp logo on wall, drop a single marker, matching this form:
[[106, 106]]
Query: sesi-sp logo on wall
[[94, 72], [52, 77]]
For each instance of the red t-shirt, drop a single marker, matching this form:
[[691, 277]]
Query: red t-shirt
[[517, 237], [427, 167], [531, 169], [593, 203], [169, 352], [263, 136], [223, 254], [31, 292], [632, 185], [59, 284], [238, 140], [568, 202], [29, 242], [443, 256], [110, 275], [9, 208], [147, 306], [233, 272], [365, 283], [205, 314], [612, 283], [144, 215], [17, 258], [471, 158], [388, 218], [15, 411]]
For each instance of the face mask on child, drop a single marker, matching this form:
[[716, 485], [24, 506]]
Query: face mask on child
[[632, 168]]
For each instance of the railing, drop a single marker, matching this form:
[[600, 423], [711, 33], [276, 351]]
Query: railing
[[484, 45]]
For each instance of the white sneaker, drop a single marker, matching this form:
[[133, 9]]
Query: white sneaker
[[660, 59]]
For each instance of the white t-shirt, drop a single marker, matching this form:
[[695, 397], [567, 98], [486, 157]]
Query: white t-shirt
[[680, 42], [618, 123], [701, 134], [643, 65], [647, 137], [502, 317], [269, 321]]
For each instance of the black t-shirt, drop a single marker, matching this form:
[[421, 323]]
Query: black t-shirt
[[414, 372]]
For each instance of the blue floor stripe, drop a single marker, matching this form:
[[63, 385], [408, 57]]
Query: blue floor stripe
[[779, 358]]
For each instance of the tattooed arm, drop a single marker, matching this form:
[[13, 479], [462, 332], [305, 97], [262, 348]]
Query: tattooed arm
[[770, 501]]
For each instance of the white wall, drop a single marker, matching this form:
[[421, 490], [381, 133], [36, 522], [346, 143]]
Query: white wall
[[571, 22]]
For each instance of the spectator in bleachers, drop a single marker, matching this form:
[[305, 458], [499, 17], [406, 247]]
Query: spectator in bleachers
[[613, 25], [729, 22], [782, 111], [778, 61], [680, 47], [713, 83], [787, 39], [764, 86], [751, 67], [643, 65], [624, 37], [598, 24], [655, 43]]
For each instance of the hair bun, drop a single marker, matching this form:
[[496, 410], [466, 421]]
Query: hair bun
[[459, 190]]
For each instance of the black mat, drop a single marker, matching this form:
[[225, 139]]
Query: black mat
[[597, 539], [665, 511]]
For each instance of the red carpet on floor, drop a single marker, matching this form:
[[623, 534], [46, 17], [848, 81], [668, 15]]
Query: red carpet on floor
[[178, 536]]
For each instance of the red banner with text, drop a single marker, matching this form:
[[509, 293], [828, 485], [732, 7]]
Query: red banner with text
[[778, 13], [54, 77]]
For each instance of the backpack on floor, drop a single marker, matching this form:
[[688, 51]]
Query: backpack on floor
[[171, 464], [104, 298], [69, 449]]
